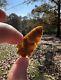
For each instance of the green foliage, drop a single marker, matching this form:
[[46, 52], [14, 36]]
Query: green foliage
[[49, 17], [14, 20], [3, 3], [43, 8]]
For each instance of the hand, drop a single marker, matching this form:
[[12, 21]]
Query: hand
[[19, 70]]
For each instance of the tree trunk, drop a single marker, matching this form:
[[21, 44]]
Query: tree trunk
[[58, 24]]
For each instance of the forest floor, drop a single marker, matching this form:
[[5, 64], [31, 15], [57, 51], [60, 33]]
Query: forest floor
[[8, 54]]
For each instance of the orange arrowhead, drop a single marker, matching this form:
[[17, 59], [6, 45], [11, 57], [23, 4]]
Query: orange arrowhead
[[30, 42]]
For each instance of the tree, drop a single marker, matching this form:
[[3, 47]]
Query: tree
[[3, 3], [48, 13], [14, 20], [48, 17], [58, 3]]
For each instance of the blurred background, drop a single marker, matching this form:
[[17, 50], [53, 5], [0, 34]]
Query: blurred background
[[24, 15]]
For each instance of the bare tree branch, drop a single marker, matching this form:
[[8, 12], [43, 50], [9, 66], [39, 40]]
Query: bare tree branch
[[56, 2]]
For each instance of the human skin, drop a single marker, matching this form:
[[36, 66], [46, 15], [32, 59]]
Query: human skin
[[3, 16], [9, 34], [19, 69]]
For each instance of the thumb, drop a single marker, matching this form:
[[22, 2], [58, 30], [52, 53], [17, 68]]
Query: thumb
[[19, 69]]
